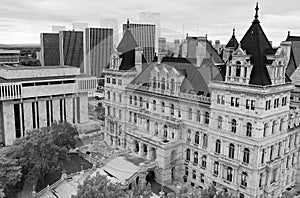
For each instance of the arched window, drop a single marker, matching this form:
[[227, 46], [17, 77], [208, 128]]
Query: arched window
[[198, 116], [273, 127], [249, 130], [154, 82], [204, 161], [244, 179], [130, 99], [188, 154], [205, 141], [220, 122], [260, 180], [231, 151], [114, 96], [246, 156], [238, 71], [265, 130], [148, 125], [165, 131], [135, 100], [190, 113], [233, 126], [163, 84], [154, 105], [141, 101], [216, 168], [197, 138], [206, 118], [229, 174], [218, 146], [281, 124], [195, 157]]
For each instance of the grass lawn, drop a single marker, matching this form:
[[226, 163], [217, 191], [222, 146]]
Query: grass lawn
[[72, 166]]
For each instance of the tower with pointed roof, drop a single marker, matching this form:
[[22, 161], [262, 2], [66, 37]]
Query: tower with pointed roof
[[250, 129], [230, 47]]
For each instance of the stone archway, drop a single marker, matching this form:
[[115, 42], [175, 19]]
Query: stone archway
[[150, 177]]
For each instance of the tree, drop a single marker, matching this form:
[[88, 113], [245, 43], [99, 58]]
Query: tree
[[211, 192], [10, 170], [64, 134], [99, 186], [38, 154]]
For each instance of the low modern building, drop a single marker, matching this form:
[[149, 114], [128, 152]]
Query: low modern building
[[35, 97], [9, 56], [233, 127]]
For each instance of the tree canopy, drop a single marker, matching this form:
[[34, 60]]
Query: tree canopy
[[99, 186]]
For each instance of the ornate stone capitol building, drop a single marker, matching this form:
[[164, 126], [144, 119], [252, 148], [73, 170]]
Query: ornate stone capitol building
[[233, 126]]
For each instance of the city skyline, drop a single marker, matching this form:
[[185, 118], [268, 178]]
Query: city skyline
[[214, 18]]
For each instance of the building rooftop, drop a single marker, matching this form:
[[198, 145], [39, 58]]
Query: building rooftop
[[232, 43]]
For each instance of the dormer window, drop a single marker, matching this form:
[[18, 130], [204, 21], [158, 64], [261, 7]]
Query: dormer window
[[163, 85]]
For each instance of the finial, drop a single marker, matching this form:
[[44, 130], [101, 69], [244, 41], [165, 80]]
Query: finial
[[127, 23], [289, 33], [256, 11], [233, 32]]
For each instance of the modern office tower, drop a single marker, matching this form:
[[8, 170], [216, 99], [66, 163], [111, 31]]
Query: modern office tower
[[80, 26], [71, 48], [162, 48], [35, 97], [144, 35], [111, 23], [58, 28], [152, 18], [97, 50], [49, 55], [8, 56]]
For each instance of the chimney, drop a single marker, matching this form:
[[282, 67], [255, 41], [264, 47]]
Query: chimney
[[138, 59]]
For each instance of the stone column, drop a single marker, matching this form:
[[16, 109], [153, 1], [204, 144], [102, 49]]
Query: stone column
[[141, 150]]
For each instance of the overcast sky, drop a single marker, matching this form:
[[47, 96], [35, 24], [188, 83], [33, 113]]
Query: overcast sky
[[22, 21]]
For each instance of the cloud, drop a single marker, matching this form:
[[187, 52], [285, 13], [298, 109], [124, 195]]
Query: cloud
[[24, 20]]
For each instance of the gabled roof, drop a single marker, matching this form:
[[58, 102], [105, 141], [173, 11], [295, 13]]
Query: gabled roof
[[256, 43], [209, 71], [232, 43]]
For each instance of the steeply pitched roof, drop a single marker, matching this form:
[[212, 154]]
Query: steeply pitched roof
[[256, 43], [209, 71], [291, 67], [127, 43], [295, 40], [232, 43]]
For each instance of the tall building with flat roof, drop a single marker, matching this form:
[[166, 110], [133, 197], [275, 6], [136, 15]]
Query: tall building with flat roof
[[162, 48], [152, 18], [71, 48], [58, 28], [79, 26], [97, 50], [35, 97], [49, 54], [144, 35], [111, 23]]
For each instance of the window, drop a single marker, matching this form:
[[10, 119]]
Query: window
[[252, 104], [119, 82], [276, 103], [135, 100], [204, 161], [108, 80], [188, 154], [165, 131], [216, 168], [268, 105], [197, 138], [141, 102], [205, 141], [189, 134], [179, 114], [172, 85], [194, 174], [206, 118], [154, 82], [202, 178], [246, 157], [190, 113], [108, 95], [231, 151], [154, 105], [220, 99], [284, 101], [238, 71], [218, 146], [148, 125], [263, 152], [247, 104], [195, 157], [260, 180], [235, 102], [265, 130], [229, 174], [198, 119], [163, 84], [120, 98], [271, 152], [279, 149], [172, 109], [114, 96], [156, 128], [186, 171], [233, 125], [220, 122], [281, 124], [287, 162], [244, 179], [273, 127], [162, 107], [120, 114], [249, 129], [113, 81]]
